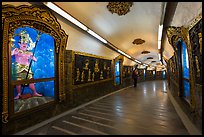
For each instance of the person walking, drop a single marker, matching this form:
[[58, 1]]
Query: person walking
[[135, 75]]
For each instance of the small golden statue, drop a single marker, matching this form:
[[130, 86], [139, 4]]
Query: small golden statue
[[89, 75], [86, 64], [108, 72], [200, 42], [96, 69], [197, 67], [93, 76], [128, 70], [78, 74], [101, 76], [104, 66], [82, 76]]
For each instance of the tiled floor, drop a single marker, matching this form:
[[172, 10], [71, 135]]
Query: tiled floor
[[144, 110]]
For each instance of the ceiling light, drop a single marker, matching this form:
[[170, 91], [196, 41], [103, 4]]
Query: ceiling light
[[123, 53], [97, 36], [138, 61], [159, 44], [159, 56], [65, 15], [160, 32]]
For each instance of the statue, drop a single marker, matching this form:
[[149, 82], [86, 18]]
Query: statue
[[96, 69], [82, 76], [89, 75], [108, 72], [93, 76], [197, 67], [77, 74], [200, 41], [22, 67], [86, 64], [104, 66], [101, 76]]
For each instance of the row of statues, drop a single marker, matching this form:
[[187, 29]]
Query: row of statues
[[80, 76], [96, 65]]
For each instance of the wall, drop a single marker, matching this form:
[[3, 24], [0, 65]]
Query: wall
[[194, 48], [79, 41]]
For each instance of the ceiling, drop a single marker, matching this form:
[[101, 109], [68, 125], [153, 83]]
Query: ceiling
[[142, 22]]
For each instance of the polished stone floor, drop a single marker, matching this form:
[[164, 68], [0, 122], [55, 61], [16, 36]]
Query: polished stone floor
[[144, 110]]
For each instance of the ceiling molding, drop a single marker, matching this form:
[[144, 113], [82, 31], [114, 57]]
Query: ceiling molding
[[145, 52], [138, 41], [149, 57]]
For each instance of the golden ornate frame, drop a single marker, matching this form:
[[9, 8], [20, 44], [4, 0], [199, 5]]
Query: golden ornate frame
[[38, 18], [89, 55], [173, 34], [120, 57]]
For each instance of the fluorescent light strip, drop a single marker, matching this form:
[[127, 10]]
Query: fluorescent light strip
[[97, 36], [160, 62], [79, 24], [138, 61], [124, 53], [159, 56], [160, 32], [159, 44], [65, 15]]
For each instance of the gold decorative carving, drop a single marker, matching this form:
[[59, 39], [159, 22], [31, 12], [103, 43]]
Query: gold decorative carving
[[145, 52], [108, 73], [34, 17], [4, 117], [93, 75], [101, 76], [104, 66], [138, 41], [121, 8], [200, 42], [86, 64], [78, 75], [174, 34], [82, 76], [195, 21], [96, 69], [72, 86], [89, 75], [197, 67]]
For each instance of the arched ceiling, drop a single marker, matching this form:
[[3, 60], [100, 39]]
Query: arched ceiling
[[142, 22], [139, 25]]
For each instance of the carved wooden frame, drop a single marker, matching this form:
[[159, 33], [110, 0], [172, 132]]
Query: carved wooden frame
[[89, 55], [120, 57], [38, 18], [173, 34]]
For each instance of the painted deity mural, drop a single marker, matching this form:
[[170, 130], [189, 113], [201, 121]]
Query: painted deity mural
[[32, 67], [89, 68]]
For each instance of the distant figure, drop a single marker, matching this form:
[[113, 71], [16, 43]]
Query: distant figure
[[135, 75]]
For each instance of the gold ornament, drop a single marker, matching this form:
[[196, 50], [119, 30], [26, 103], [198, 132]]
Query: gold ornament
[[121, 8]]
